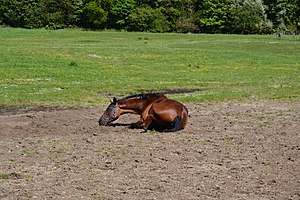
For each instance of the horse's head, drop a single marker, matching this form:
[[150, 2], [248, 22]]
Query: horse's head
[[111, 113]]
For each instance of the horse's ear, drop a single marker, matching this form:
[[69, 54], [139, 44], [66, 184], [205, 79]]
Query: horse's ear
[[115, 100]]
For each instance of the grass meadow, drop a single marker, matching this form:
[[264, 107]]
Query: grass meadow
[[84, 68]]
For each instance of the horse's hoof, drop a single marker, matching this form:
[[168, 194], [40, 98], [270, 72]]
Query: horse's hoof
[[144, 131]]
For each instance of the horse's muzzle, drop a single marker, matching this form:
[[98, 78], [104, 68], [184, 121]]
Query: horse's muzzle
[[102, 122]]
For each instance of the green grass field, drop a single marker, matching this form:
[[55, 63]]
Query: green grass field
[[74, 67]]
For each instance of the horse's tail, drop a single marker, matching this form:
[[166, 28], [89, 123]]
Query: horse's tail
[[176, 125]]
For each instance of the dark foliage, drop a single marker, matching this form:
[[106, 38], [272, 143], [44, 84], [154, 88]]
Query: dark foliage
[[205, 16]]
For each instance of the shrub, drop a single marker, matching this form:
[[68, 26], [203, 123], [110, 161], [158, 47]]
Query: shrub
[[148, 19]]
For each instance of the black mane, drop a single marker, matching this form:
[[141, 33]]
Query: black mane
[[140, 96]]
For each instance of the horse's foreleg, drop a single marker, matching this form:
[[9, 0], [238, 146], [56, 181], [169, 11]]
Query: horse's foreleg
[[147, 122], [138, 124]]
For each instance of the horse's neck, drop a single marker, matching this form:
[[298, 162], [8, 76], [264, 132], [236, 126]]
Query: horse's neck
[[132, 106], [137, 106]]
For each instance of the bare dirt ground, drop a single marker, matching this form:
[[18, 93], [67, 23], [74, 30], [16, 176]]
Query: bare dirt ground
[[228, 151]]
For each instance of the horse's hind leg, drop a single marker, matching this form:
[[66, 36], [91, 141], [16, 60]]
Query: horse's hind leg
[[176, 125]]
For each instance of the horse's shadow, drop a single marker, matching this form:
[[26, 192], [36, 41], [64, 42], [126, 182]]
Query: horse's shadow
[[152, 127], [120, 124]]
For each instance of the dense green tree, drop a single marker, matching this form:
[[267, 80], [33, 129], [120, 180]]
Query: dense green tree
[[148, 19], [187, 21], [151, 3], [21, 13], [97, 14], [248, 16], [285, 14], [213, 15], [121, 11], [61, 14], [206, 16], [94, 16], [171, 11]]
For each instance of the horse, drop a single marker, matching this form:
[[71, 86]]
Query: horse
[[156, 112]]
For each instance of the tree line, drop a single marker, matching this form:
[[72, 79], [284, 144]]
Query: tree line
[[183, 16]]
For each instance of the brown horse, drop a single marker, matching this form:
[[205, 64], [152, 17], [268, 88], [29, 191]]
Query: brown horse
[[156, 111]]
